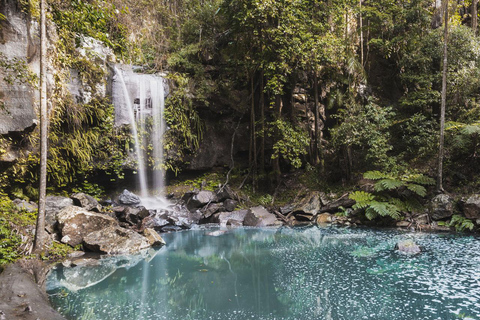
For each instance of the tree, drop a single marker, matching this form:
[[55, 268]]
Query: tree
[[474, 16], [40, 233], [444, 101]]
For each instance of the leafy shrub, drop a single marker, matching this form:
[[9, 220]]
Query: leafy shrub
[[461, 223], [393, 194]]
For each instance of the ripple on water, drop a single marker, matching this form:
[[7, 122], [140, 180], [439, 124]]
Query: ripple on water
[[304, 273]]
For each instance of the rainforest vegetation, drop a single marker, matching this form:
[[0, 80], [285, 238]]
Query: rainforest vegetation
[[333, 89]]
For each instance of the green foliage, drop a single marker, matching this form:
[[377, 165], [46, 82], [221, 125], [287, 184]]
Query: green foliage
[[96, 19], [16, 71], [16, 231], [461, 223], [394, 194], [291, 142]]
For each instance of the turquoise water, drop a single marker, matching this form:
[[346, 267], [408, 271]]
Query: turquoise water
[[302, 273]]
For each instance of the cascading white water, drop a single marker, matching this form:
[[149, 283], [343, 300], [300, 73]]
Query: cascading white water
[[148, 103]]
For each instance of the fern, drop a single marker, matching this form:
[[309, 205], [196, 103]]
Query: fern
[[388, 184], [461, 223], [383, 202]]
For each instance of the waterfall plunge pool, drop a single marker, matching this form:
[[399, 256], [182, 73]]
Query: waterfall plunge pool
[[300, 273]]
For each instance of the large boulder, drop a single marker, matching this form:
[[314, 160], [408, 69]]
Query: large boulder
[[53, 204], [76, 223], [131, 215], [234, 218], [260, 217], [85, 201], [128, 198], [441, 207], [308, 206], [471, 207], [212, 208], [184, 218], [115, 240], [200, 199], [24, 205]]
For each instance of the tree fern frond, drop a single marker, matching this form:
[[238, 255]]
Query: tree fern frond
[[362, 199], [417, 189], [420, 179], [388, 184], [376, 175], [385, 209], [412, 205]]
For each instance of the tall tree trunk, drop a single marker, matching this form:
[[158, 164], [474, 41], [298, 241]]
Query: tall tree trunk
[[262, 116], [315, 138], [474, 17], [361, 33], [253, 138], [40, 233], [443, 105]]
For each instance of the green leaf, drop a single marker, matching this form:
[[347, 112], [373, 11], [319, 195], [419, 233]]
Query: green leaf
[[375, 175], [388, 184], [417, 189]]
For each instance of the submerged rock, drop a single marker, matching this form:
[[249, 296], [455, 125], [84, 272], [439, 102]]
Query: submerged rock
[[127, 197], [76, 223], [260, 217], [85, 201], [115, 240], [408, 247], [441, 207]]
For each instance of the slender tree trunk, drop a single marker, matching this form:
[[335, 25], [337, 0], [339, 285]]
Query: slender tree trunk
[[40, 233], [474, 17], [443, 105], [361, 33], [262, 116], [315, 138]]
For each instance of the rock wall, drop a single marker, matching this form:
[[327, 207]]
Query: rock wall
[[19, 40]]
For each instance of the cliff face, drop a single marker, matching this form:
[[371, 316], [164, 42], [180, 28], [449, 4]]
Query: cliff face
[[19, 42]]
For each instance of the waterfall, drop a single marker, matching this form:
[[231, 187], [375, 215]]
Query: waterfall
[[143, 100]]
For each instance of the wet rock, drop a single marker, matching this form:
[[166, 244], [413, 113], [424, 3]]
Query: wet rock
[[408, 247], [212, 208], [333, 206], [230, 205], [324, 218], [201, 199], [441, 207], [128, 198], [260, 217], [24, 205], [236, 218], [308, 206], [153, 237], [403, 224], [184, 218], [76, 223], [85, 201], [115, 240], [471, 207], [156, 222], [285, 210]]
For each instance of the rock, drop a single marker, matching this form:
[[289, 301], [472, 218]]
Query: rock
[[231, 218], [85, 201], [230, 205], [225, 193], [25, 205], [408, 247], [201, 199], [184, 218], [308, 206], [76, 223], [53, 204], [333, 206], [260, 217], [212, 208], [128, 198], [155, 222], [403, 224], [471, 207], [132, 215], [324, 218], [285, 210], [153, 237], [115, 240], [441, 207]]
